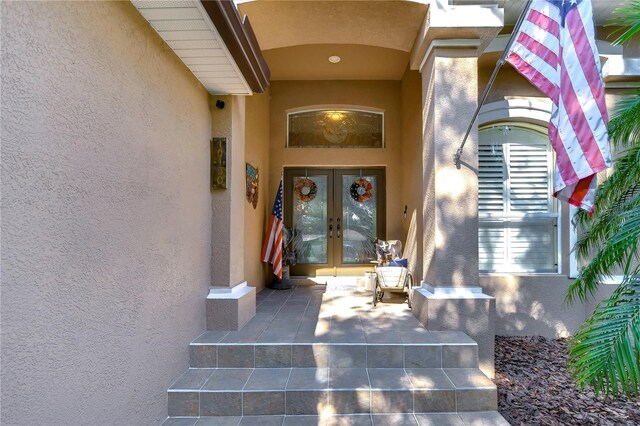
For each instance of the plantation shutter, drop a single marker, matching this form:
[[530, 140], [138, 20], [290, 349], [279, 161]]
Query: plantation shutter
[[492, 175], [517, 224]]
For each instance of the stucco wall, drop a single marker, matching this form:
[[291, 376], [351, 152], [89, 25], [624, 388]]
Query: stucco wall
[[449, 83], [105, 214], [256, 220], [412, 192], [508, 83], [228, 204], [385, 95]]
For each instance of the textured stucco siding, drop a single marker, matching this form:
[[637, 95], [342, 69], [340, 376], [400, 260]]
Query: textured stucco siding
[[105, 214], [412, 191], [256, 220], [529, 305]]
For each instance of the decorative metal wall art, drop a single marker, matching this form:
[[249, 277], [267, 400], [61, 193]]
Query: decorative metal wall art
[[219, 163], [252, 185], [335, 129]]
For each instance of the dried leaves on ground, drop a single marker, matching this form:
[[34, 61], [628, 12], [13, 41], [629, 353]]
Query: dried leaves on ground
[[534, 388]]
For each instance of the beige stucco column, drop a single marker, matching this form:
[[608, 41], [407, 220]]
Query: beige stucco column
[[450, 219], [230, 303], [446, 54]]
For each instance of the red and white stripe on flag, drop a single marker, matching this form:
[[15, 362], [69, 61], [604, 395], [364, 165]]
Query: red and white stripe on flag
[[555, 50], [272, 247]]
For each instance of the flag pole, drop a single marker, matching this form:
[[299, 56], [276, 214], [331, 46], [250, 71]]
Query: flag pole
[[501, 61]]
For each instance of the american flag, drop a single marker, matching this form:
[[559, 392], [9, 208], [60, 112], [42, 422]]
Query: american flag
[[272, 247], [555, 50]]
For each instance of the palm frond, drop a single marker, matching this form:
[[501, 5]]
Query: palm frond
[[625, 176], [617, 198], [619, 238], [599, 229], [629, 231], [604, 225], [627, 16], [605, 351], [624, 126]]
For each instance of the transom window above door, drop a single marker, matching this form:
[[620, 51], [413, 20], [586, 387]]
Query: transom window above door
[[335, 128], [517, 215]]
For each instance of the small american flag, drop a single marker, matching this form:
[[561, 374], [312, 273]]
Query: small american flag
[[272, 247], [555, 50]]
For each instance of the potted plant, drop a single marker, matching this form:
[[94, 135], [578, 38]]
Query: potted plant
[[291, 237]]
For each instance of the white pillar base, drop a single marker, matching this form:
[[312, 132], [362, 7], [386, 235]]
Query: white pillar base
[[465, 309], [230, 308]]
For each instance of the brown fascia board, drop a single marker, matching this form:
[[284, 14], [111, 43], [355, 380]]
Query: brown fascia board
[[241, 42]]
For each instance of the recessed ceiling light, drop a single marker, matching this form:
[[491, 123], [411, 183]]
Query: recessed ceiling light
[[334, 59]]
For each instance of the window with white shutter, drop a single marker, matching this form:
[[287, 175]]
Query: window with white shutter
[[517, 214]]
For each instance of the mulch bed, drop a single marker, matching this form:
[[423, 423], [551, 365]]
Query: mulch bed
[[534, 388]]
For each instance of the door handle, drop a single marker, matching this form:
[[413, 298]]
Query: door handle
[[330, 227], [338, 227]]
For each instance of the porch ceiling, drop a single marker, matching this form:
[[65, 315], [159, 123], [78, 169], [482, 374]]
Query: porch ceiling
[[388, 24], [310, 62], [372, 38]]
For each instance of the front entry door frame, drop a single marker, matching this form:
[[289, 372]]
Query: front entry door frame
[[334, 225]]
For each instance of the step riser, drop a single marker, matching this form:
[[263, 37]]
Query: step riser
[[238, 403], [334, 356]]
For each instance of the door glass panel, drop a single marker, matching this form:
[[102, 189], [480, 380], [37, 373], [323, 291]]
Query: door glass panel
[[359, 215], [310, 219]]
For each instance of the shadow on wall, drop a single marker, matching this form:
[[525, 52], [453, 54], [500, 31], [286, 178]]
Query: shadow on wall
[[512, 318], [533, 305], [450, 203], [411, 247], [450, 252], [524, 305]]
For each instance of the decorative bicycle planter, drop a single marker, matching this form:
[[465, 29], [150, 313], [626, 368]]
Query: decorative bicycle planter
[[392, 279]]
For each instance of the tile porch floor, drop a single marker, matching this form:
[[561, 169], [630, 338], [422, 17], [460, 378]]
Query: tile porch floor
[[319, 314], [345, 345]]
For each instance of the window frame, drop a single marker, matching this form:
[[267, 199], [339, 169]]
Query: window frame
[[554, 207]]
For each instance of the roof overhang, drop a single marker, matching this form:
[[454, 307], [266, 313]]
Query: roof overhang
[[213, 41]]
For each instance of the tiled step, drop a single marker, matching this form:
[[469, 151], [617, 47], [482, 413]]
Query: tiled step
[[430, 350], [482, 418], [326, 356], [327, 391]]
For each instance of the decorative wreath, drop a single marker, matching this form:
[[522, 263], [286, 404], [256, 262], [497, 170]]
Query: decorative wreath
[[306, 190], [361, 190]]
